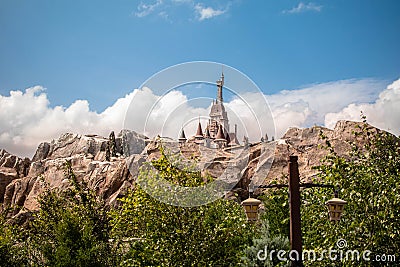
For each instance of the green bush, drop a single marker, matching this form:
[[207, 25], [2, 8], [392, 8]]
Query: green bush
[[70, 229], [167, 235], [264, 248], [368, 179], [12, 250]]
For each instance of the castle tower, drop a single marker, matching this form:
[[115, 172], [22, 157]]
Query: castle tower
[[220, 138], [199, 134], [216, 133], [220, 85], [218, 114], [207, 138]]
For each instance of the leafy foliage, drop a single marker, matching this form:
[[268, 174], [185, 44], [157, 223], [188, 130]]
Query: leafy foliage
[[276, 202], [368, 180], [70, 229], [166, 235], [12, 252], [264, 246]]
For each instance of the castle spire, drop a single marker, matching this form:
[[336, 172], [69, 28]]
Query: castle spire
[[207, 134], [199, 132], [220, 85], [182, 137], [220, 134]]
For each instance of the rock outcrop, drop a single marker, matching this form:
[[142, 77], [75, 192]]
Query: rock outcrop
[[11, 168], [22, 180], [20, 165]]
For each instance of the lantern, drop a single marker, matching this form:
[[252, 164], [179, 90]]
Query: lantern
[[335, 208], [250, 206]]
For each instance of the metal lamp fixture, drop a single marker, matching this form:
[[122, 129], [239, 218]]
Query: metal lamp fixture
[[250, 206], [335, 208]]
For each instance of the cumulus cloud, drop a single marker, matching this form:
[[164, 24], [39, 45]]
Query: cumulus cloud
[[302, 7], [167, 9], [307, 106], [27, 118], [207, 12], [384, 113], [144, 10]]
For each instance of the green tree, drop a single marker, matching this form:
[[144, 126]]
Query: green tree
[[368, 179], [12, 250], [71, 228], [276, 203], [153, 233], [265, 247]]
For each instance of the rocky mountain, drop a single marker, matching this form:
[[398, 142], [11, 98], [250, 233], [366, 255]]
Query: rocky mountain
[[23, 180]]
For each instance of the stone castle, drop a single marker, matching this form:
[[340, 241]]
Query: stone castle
[[217, 132]]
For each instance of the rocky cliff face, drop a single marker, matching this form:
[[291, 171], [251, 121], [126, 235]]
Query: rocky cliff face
[[22, 180]]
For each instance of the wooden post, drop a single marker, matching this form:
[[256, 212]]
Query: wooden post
[[294, 206]]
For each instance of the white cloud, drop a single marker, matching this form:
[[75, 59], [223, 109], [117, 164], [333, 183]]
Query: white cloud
[[182, 1], [146, 9], [311, 103], [167, 9], [307, 106], [302, 7], [207, 12], [26, 118], [384, 113]]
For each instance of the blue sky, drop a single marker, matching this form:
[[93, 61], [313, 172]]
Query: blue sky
[[83, 59], [101, 50]]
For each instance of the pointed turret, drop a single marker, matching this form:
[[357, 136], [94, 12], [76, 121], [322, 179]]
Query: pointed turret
[[220, 138], [207, 134], [207, 137], [182, 137], [220, 134], [199, 132]]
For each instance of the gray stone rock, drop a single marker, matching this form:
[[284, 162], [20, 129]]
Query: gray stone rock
[[131, 142], [7, 175], [72, 144], [11, 161], [17, 191], [41, 152]]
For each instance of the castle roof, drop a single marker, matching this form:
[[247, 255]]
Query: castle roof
[[199, 133], [220, 134], [207, 135], [182, 136], [217, 108]]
